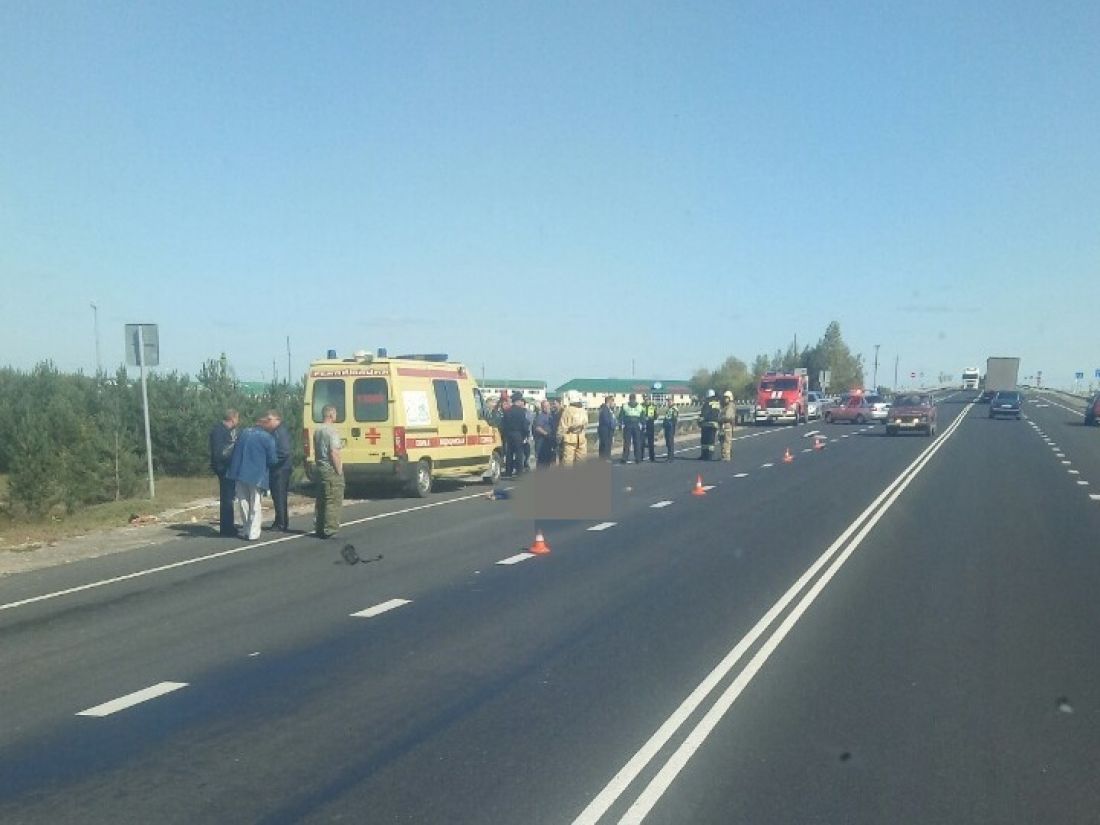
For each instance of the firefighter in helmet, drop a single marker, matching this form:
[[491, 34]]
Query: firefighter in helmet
[[708, 423]]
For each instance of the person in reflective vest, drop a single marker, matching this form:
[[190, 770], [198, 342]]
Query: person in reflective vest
[[630, 417], [708, 423], [727, 415], [672, 415]]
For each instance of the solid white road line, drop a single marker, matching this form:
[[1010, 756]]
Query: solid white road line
[[660, 738], [516, 559], [659, 504], [379, 609], [256, 545], [603, 525], [131, 699]]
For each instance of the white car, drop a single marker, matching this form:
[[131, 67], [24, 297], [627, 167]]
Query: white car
[[815, 405], [880, 407]]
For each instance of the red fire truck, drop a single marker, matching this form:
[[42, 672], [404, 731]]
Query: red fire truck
[[781, 397]]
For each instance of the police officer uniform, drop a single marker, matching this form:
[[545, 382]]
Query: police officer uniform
[[649, 422], [672, 415], [630, 416]]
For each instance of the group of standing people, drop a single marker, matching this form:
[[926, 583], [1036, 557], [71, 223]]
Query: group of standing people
[[552, 433], [257, 460], [638, 419]]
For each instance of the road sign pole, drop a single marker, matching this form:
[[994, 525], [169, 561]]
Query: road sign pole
[[145, 408]]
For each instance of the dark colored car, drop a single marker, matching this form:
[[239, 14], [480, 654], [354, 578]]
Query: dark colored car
[[1092, 410], [912, 412], [1005, 402]]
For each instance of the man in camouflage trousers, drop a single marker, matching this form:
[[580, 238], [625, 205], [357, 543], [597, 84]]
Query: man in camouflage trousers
[[330, 475]]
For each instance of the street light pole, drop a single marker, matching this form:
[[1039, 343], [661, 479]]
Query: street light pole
[[896, 359], [95, 324], [874, 381]]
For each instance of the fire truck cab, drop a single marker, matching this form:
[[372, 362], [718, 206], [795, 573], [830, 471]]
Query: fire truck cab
[[781, 397]]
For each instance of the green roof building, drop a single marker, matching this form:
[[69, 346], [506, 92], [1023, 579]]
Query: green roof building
[[593, 390]]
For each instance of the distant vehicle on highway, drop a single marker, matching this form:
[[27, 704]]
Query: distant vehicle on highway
[[912, 412], [816, 404], [856, 410], [1000, 374], [1092, 411], [1005, 402], [971, 378], [880, 407]]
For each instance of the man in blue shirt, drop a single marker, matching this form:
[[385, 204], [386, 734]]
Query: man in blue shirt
[[250, 466]]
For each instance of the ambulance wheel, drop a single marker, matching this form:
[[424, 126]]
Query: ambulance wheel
[[492, 475], [422, 484]]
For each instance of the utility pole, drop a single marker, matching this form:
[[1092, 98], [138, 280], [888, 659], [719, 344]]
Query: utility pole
[[874, 381], [289, 374], [145, 408], [95, 324], [631, 367], [896, 357]]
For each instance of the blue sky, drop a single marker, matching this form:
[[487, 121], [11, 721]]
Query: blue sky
[[552, 190]]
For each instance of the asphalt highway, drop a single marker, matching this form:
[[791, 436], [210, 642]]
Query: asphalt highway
[[885, 630]]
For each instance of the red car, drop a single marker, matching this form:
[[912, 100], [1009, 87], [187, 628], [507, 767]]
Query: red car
[[856, 410], [912, 412]]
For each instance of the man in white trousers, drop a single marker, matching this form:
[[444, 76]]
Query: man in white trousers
[[249, 467]]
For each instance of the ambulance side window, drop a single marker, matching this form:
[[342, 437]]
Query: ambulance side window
[[328, 391], [371, 399], [479, 402], [447, 400]]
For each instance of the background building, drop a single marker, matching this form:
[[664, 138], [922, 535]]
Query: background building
[[593, 390], [491, 388]]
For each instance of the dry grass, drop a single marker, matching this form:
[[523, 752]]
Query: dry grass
[[172, 494]]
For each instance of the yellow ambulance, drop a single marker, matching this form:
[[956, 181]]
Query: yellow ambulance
[[404, 421]]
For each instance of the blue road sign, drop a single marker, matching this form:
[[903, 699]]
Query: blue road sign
[[1078, 375], [1098, 373]]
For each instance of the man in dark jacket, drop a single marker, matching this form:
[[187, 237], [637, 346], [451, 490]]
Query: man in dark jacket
[[223, 437], [280, 473], [605, 427], [515, 430]]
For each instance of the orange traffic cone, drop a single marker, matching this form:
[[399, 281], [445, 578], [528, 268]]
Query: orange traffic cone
[[819, 443], [540, 547], [698, 490], [787, 457]]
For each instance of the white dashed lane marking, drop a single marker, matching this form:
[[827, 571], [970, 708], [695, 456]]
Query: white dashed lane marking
[[741, 475], [516, 559], [658, 505], [1074, 472], [1083, 483], [708, 487], [131, 699], [603, 525], [378, 609], [762, 466]]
